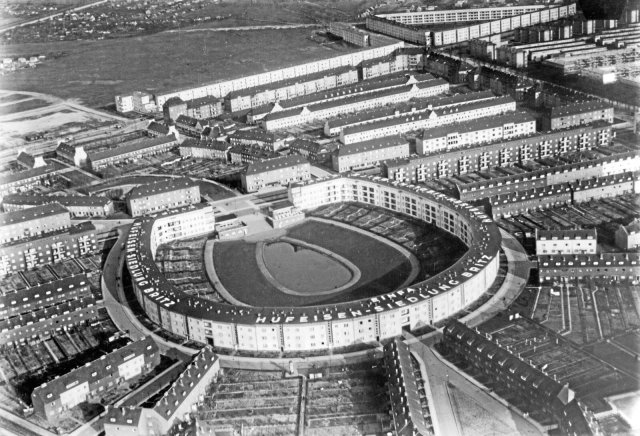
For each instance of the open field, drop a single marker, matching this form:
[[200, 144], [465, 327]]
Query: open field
[[95, 71]]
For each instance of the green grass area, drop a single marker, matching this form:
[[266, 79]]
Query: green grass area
[[22, 106], [95, 71], [383, 268]]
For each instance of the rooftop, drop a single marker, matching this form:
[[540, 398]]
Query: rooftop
[[34, 173], [161, 187], [478, 124], [543, 235], [132, 146], [406, 118], [186, 382], [372, 144], [64, 200], [578, 108], [275, 164], [32, 213], [96, 370], [288, 82]]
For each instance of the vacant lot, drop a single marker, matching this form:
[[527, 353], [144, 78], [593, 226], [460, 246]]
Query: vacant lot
[[95, 71]]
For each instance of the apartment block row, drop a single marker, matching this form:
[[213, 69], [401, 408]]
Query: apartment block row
[[280, 171], [334, 127], [582, 191], [426, 120], [220, 89], [498, 154], [483, 130], [42, 235], [414, 26], [322, 111], [158, 196], [75, 154], [376, 84], [538, 391], [92, 381], [22, 301], [43, 321], [409, 403], [366, 154], [581, 241], [176, 403], [608, 164], [79, 206], [576, 114], [610, 265], [200, 108], [269, 93], [25, 181]]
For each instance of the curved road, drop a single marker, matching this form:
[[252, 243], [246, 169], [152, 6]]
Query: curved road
[[518, 268], [116, 303]]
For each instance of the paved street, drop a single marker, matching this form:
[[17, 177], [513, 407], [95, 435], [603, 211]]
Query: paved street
[[514, 283]]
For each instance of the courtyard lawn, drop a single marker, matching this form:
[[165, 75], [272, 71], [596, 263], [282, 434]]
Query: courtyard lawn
[[383, 267]]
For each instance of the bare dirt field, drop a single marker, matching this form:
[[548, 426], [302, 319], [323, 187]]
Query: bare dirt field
[[28, 113], [95, 71]]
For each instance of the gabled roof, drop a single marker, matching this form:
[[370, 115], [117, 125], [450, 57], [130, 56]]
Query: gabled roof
[[478, 124], [253, 135], [287, 82], [186, 382], [275, 164], [161, 187], [173, 101], [67, 148], [187, 120], [633, 227], [158, 128], [131, 147], [578, 108], [97, 369], [64, 200], [304, 144], [52, 168], [32, 213], [26, 159], [206, 144], [544, 235], [203, 101], [373, 144]]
